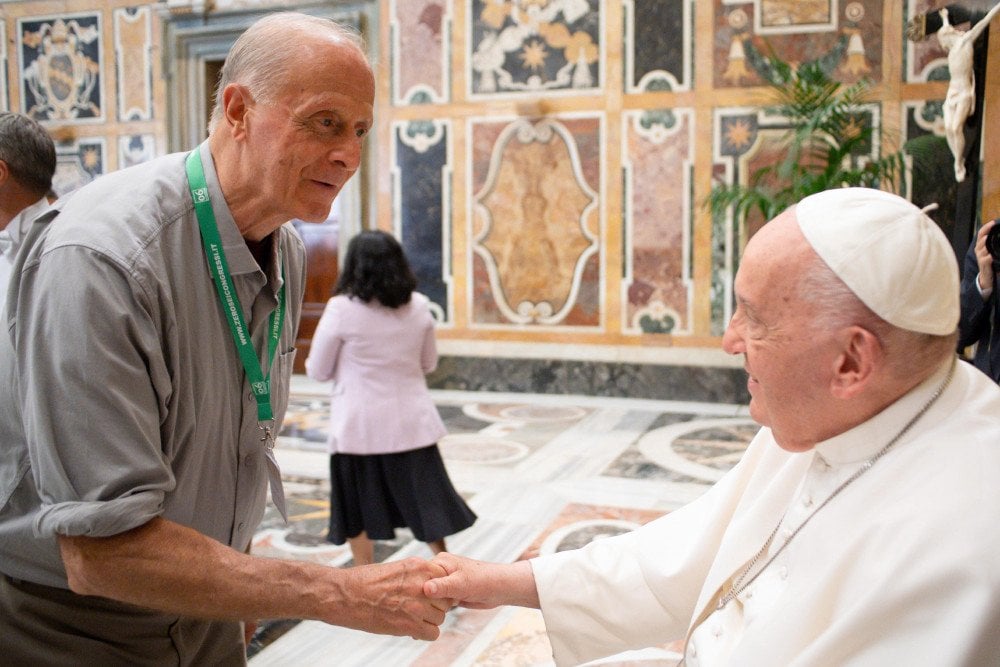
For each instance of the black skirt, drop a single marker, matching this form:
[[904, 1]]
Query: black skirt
[[377, 493]]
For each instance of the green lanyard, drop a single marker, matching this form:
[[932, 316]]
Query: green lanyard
[[260, 382]]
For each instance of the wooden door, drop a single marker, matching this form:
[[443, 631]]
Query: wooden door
[[322, 245]]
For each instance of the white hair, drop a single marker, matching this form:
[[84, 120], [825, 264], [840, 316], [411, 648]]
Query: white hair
[[265, 55]]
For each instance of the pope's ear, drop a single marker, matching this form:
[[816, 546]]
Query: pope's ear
[[860, 356], [4, 172]]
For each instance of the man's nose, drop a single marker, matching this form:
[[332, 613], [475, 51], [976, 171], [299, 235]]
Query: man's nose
[[732, 341]]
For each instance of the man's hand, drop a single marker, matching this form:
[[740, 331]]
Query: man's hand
[[479, 585], [388, 598], [984, 259]]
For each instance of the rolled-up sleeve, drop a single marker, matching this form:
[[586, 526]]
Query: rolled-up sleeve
[[93, 388]]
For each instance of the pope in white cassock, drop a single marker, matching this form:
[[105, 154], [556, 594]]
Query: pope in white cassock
[[861, 525]]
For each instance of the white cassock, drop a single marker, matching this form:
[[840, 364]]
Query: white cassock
[[901, 568]]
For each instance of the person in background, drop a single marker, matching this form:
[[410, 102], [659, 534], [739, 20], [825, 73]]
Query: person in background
[[980, 306], [144, 371], [860, 526], [375, 340], [27, 163]]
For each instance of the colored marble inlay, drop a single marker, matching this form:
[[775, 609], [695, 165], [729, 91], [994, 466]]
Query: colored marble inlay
[[658, 45], [420, 30], [133, 44], [658, 157], [421, 206], [135, 149], [78, 163], [60, 63], [542, 45], [846, 37], [536, 222]]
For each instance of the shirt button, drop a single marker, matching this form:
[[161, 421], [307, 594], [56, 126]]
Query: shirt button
[[248, 461], [250, 396], [240, 527]]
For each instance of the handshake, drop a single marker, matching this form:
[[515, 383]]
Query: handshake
[[410, 597]]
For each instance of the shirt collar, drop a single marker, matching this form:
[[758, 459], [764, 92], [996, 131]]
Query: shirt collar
[[18, 226], [864, 440]]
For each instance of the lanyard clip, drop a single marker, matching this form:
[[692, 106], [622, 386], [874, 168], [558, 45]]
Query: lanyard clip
[[268, 437]]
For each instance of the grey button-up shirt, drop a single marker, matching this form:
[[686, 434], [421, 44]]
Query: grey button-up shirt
[[122, 395]]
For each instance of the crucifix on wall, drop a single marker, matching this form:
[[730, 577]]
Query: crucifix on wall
[[968, 107]]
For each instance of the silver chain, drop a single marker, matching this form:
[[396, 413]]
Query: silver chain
[[738, 585]]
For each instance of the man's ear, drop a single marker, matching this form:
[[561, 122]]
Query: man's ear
[[860, 358], [236, 102]]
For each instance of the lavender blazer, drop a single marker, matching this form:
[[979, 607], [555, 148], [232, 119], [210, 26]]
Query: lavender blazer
[[377, 358]]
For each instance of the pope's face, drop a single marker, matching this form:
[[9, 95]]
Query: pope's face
[[308, 141], [788, 360]]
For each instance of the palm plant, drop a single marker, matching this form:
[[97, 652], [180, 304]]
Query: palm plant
[[828, 134]]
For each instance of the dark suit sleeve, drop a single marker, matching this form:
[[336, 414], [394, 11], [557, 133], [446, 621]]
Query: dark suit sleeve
[[973, 325]]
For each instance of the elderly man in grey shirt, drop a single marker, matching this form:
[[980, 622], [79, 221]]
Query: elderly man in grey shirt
[[144, 366]]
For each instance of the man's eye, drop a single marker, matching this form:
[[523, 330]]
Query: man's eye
[[360, 132]]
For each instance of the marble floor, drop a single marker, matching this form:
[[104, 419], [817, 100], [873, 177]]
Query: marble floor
[[543, 473]]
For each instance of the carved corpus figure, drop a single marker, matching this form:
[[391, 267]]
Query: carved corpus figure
[[960, 101]]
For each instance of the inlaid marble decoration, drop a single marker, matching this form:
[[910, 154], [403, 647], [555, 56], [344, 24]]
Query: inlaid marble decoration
[[744, 141], [78, 163], [534, 46], [60, 66], [422, 206], [925, 59], [135, 149], [421, 37], [536, 221], [133, 46], [846, 36], [657, 156], [658, 45]]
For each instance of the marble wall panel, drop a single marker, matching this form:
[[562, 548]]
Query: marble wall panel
[[658, 156], [536, 221], [60, 67], [422, 206], [133, 45], [592, 378], [533, 47], [135, 149], [844, 35], [421, 36], [78, 162], [659, 45]]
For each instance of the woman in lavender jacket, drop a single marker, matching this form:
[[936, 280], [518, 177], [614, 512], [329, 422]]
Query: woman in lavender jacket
[[375, 340]]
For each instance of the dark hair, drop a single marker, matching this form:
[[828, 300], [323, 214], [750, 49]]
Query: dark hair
[[376, 268], [28, 151]]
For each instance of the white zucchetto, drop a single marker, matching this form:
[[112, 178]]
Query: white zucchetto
[[889, 253]]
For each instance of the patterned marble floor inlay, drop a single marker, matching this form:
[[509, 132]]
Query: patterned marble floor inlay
[[543, 473]]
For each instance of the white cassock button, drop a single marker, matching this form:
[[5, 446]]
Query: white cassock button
[[807, 501], [783, 572], [717, 631], [748, 592]]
